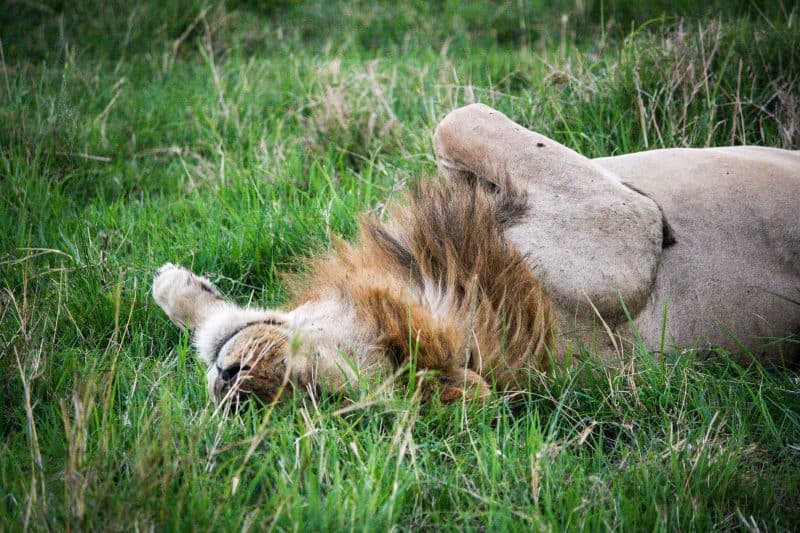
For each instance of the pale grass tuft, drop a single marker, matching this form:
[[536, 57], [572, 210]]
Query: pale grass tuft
[[351, 110], [76, 422]]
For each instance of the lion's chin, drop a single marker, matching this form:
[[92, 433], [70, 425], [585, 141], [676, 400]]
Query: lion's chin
[[237, 395]]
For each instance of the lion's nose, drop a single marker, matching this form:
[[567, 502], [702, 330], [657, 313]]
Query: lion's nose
[[230, 373], [228, 378]]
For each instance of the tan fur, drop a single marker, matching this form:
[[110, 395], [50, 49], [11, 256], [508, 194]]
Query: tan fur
[[472, 271], [263, 349], [679, 248], [495, 319]]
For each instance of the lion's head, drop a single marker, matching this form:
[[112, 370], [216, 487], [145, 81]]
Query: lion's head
[[253, 360]]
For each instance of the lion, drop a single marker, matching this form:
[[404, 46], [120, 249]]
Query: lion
[[518, 254]]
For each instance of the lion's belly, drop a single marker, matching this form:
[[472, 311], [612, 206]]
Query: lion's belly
[[732, 275]]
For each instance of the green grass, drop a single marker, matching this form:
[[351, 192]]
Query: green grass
[[236, 139]]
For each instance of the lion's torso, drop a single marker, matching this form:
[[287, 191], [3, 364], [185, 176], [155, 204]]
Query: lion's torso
[[460, 276], [735, 266]]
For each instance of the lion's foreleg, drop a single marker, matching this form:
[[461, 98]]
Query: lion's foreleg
[[186, 298]]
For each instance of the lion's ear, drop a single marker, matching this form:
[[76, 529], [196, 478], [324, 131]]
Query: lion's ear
[[457, 384]]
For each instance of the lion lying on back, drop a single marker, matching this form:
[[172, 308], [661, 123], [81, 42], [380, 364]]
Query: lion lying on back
[[522, 251]]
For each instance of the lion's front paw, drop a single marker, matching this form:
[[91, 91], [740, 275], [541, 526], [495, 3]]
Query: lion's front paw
[[183, 295]]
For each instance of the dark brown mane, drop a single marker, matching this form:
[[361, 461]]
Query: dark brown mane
[[438, 282]]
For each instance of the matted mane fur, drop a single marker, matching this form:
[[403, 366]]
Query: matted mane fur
[[439, 282]]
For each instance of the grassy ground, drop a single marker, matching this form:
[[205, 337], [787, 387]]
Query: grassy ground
[[236, 138]]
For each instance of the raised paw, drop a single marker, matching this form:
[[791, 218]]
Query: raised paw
[[183, 295]]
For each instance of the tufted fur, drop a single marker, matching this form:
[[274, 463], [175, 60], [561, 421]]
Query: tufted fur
[[438, 286]]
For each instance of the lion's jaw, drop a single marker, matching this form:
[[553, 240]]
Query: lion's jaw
[[246, 351], [262, 353]]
